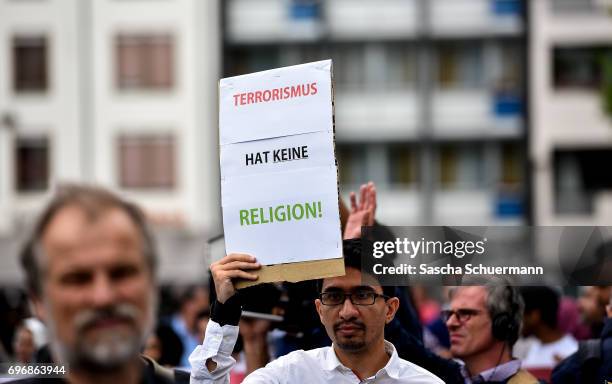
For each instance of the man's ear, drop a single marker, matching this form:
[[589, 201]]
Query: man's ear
[[318, 306], [392, 304]]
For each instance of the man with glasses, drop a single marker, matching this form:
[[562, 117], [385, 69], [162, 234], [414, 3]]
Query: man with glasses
[[484, 322], [353, 308]]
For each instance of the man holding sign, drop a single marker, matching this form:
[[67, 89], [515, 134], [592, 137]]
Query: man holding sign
[[354, 310], [279, 189]]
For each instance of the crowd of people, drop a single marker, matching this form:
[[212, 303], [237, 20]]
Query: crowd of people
[[90, 267]]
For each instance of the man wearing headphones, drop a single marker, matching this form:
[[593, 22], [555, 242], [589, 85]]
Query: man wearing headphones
[[484, 323]]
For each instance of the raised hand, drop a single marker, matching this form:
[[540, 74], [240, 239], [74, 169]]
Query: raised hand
[[362, 212], [232, 266]]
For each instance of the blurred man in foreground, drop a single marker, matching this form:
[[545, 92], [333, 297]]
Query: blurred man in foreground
[[353, 311], [90, 267], [484, 322]]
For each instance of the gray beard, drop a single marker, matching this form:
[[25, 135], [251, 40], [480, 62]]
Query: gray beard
[[108, 354]]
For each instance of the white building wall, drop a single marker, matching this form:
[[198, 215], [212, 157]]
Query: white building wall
[[83, 113], [564, 118], [51, 113]]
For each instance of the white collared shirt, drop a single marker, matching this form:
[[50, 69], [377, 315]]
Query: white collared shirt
[[315, 366]]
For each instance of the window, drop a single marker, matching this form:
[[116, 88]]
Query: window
[[145, 62], [349, 67], [305, 54], [579, 176], [507, 100], [351, 164], [511, 76], [578, 67], [403, 165], [30, 64], [510, 195], [460, 66], [32, 164], [374, 66], [461, 166], [248, 60], [512, 164], [400, 68], [147, 161]]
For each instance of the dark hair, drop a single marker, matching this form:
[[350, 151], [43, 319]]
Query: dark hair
[[352, 250], [93, 201], [543, 299], [189, 292], [171, 346], [203, 314]]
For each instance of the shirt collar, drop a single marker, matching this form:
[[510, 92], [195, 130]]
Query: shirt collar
[[331, 361], [392, 367], [498, 373]]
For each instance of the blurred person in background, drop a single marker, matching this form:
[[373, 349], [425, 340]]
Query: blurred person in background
[[484, 322], [23, 345], [592, 306], [30, 336], [14, 308], [592, 363], [153, 347], [90, 271], [164, 346], [435, 333], [202, 321], [550, 344], [185, 323], [428, 308], [568, 319]]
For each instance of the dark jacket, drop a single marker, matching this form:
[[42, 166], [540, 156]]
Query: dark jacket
[[412, 349], [589, 364]]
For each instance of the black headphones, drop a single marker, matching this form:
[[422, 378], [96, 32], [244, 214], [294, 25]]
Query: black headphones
[[503, 325]]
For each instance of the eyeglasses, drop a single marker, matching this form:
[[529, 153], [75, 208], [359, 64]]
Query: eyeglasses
[[463, 314], [357, 298]]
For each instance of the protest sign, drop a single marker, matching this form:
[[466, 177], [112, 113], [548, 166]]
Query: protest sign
[[279, 179]]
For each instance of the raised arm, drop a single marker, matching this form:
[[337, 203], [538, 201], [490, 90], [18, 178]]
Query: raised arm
[[212, 362]]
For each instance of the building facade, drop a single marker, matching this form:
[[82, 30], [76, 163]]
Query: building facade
[[571, 108], [429, 97], [116, 93]]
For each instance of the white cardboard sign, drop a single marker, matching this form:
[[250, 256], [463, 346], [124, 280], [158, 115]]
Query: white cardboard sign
[[279, 180]]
